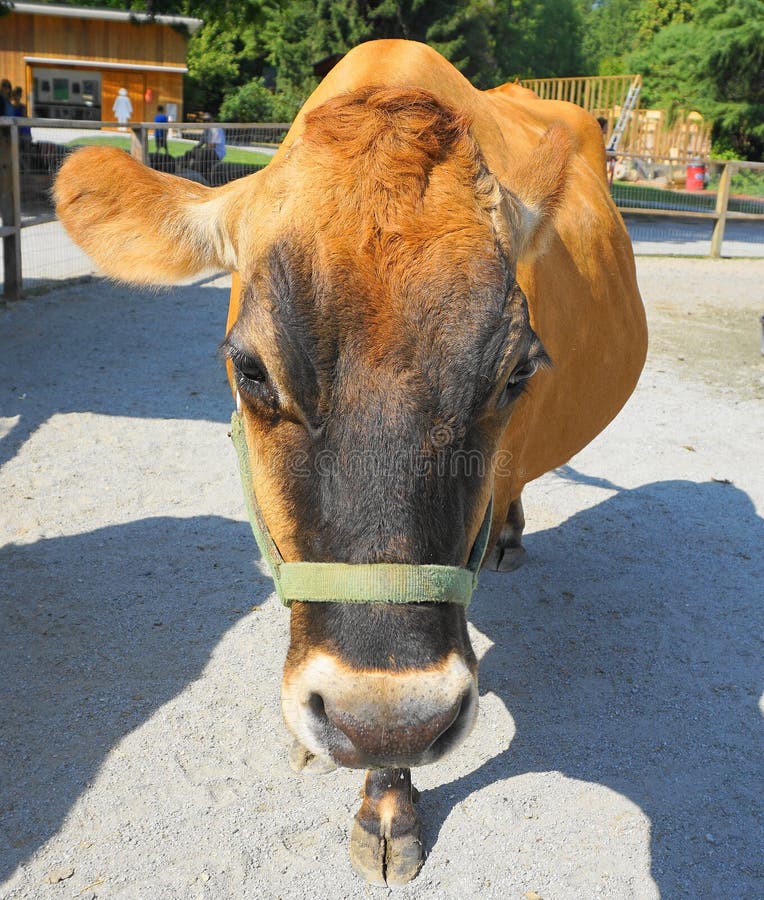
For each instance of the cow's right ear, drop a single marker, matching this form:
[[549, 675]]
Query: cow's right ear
[[142, 226], [537, 189]]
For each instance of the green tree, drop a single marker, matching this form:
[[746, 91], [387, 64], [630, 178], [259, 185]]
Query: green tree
[[653, 15], [455, 29], [714, 64], [213, 67], [536, 37], [252, 102], [290, 37], [610, 34], [301, 32], [225, 53]]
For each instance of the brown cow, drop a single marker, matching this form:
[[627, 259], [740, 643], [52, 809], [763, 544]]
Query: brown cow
[[399, 264]]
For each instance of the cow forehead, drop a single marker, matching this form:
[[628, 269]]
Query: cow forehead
[[401, 278], [390, 179], [346, 267], [328, 326], [382, 247]]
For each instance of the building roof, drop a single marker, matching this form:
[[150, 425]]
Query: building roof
[[109, 15]]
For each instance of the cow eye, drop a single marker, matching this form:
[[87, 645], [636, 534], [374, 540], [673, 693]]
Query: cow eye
[[516, 382], [524, 372], [251, 376], [251, 369]]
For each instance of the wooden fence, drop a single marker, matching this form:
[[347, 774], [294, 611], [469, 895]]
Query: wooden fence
[[598, 94], [735, 193], [26, 175], [649, 132]]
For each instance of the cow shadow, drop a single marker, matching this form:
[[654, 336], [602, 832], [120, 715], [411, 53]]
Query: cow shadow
[[628, 653], [85, 660], [112, 350]]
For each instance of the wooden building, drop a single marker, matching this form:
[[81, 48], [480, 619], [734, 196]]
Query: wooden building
[[72, 61]]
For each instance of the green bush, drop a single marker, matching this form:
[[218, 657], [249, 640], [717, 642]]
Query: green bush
[[252, 102]]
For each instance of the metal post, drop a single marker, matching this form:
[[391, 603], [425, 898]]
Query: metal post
[[139, 143], [722, 200], [10, 209]]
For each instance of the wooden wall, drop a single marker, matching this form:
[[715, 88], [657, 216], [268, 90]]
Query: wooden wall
[[166, 87], [24, 34]]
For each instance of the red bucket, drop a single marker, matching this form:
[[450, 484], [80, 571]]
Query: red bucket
[[695, 179]]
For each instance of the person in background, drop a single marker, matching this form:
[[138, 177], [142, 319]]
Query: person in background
[[122, 108], [160, 134], [25, 132], [6, 109], [214, 137]]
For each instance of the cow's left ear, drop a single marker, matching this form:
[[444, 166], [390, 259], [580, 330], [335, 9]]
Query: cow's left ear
[[143, 226], [537, 189]]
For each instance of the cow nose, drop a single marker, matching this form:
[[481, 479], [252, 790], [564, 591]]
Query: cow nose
[[363, 719], [376, 736]]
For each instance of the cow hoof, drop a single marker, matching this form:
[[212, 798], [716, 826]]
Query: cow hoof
[[506, 559], [512, 558], [302, 760], [508, 553], [386, 843], [386, 861]]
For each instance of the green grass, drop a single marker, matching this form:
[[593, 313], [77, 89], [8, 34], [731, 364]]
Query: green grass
[[641, 196], [177, 148], [749, 182], [638, 195]]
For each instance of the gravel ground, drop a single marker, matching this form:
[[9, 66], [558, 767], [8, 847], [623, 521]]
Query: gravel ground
[[142, 755]]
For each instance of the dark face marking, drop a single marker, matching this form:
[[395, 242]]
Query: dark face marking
[[380, 637], [401, 407], [394, 340], [398, 413]]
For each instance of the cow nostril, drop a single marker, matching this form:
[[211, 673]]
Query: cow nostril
[[453, 734], [316, 706]]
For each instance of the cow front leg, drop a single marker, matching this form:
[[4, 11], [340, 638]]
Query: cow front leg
[[508, 553], [386, 844]]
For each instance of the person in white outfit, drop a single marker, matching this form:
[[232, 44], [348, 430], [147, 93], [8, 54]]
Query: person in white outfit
[[122, 108]]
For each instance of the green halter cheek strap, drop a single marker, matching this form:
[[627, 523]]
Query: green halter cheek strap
[[357, 583]]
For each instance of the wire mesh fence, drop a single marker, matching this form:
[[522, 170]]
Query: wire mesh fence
[[211, 154], [33, 150], [695, 208], [650, 183], [669, 206]]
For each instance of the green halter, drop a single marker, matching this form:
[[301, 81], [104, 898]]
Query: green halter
[[357, 583]]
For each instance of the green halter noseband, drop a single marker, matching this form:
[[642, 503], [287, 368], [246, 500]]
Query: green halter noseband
[[357, 583]]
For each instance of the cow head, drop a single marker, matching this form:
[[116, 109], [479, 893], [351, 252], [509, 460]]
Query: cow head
[[377, 349]]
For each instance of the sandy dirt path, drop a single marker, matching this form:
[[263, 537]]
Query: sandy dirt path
[[142, 755]]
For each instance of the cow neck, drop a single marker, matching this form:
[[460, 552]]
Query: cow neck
[[357, 582]]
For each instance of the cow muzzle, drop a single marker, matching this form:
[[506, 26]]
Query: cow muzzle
[[379, 718], [370, 716]]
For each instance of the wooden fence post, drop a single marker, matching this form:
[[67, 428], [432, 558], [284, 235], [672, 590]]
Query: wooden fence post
[[10, 210], [722, 201], [139, 139]]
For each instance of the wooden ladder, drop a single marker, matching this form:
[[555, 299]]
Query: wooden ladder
[[629, 104]]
